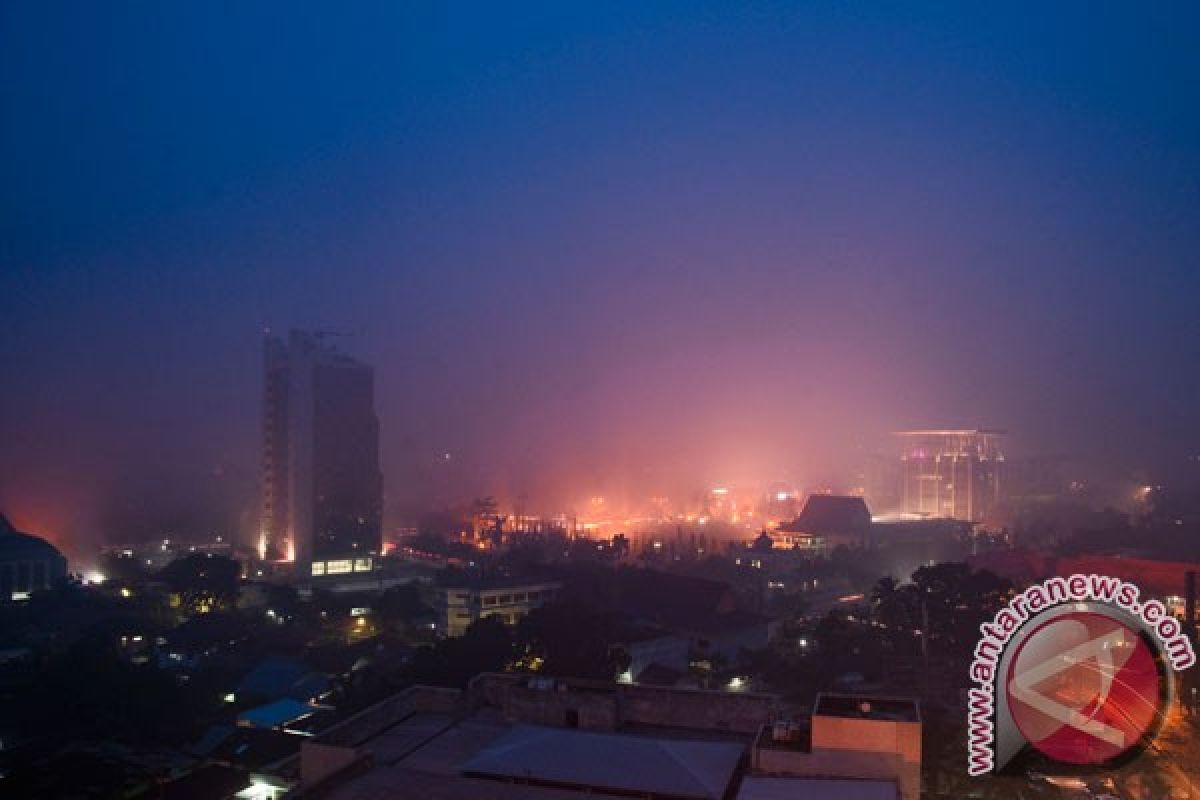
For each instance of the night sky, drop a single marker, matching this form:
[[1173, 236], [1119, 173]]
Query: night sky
[[627, 248]]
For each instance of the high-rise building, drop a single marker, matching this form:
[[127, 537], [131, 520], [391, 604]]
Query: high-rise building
[[952, 473], [322, 491]]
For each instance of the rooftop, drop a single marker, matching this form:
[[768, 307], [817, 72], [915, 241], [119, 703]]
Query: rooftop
[[758, 788], [275, 715], [437, 755], [276, 678], [830, 513], [893, 709], [464, 579], [494, 740], [254, 748], [609, 762], [17, 545]]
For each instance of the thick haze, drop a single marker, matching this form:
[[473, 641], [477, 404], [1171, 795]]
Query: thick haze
[[589, 250]]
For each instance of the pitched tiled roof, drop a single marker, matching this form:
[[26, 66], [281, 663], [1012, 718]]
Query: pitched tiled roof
[[826, 514]]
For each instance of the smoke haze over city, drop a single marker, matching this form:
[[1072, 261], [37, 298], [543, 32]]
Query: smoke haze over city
[[623, 252]]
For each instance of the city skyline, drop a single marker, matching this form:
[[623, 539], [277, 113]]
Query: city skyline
[[632, 248], [541, 401]]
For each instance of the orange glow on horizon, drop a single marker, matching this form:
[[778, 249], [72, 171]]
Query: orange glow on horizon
[[37, 525]]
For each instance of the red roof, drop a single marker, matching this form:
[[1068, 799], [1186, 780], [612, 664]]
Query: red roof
[[1026, 566]]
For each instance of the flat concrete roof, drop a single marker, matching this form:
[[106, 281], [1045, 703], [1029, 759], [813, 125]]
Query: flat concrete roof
[[853, 706], [437, 757], [610, 762], [756, 788]]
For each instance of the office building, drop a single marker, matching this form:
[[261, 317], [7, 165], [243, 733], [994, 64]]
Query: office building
[[953, 473], [322, 491], [467, 599]]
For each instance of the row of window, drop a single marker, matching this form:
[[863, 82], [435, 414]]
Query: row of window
[[511, 619], [24, 576], [341, 566], [517, 597]]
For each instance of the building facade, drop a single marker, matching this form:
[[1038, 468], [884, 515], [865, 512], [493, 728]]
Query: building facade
[[826, 522], [959, 474], [322, 490], [460, 605], [849, 737], [28, 564]]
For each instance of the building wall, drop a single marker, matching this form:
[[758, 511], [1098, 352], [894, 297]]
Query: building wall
[[956, 474], [589, 711], [740, 712], [598, 705], [872, 749], [833, 764], [19, 578], [338, 748], [321, 761], [300, 453], [347, 485], [272, 542], [322, 490], [460, 606], [870, 735]]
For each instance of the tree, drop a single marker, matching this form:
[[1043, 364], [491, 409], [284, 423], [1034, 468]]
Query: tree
[[485, 647], [958, 600], [203, 582], [401, 603], [572, 640], [947, 602], [125, 570], [90, 693], [896, 606]]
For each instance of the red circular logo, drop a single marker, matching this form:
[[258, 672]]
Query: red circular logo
[[1085, 688]]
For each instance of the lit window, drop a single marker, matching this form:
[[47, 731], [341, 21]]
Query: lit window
[[362, 565], [339, 567], [318, 568]]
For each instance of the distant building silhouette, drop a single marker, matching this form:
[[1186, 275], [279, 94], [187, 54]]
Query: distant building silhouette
[[828, 520], [952, 473], [27, 563], [322, 491]]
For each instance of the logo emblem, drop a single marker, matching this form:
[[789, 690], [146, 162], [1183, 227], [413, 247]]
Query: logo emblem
[[1085, 688]]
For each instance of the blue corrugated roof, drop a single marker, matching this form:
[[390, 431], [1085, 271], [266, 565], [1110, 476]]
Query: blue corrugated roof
[[273, 715]]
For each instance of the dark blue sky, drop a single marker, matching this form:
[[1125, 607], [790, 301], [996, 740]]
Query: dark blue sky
[[624, 246]]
